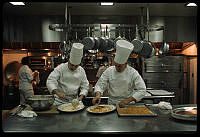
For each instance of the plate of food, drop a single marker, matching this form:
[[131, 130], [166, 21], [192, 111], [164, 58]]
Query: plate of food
[[185, 113], [68, 107], [101, 109]]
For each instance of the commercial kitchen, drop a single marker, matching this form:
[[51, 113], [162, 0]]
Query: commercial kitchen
[[164, 36]]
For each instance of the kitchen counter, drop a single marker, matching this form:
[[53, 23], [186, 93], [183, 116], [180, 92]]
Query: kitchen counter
[[84, 122]]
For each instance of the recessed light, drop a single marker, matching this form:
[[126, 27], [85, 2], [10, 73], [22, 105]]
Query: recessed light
[[17, 3], [191, 4], [106, 3]]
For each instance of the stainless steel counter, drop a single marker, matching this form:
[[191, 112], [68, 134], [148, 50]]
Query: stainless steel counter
[[84, 122]]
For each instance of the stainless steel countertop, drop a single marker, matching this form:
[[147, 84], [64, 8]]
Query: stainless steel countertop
[[84, 122]]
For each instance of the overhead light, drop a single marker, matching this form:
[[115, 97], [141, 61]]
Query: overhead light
[[191, 4], [17, 3], [106, 3]]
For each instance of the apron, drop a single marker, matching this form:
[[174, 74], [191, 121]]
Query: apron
[[69, 84], [119, 87]]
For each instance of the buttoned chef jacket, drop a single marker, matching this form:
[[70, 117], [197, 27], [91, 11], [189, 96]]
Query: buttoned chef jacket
[[68, 82], [121, 84], [25, 83]]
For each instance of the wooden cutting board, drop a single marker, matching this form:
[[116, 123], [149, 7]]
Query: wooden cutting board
[[52, 110]]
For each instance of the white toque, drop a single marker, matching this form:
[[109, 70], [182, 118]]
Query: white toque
[[76, 53], [123, 50]]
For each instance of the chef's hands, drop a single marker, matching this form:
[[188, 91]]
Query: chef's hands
[[123, 103], [81, 98], [59, 94], [97, 98], [126, 101]]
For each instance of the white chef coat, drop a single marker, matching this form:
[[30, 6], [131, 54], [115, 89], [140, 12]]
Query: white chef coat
[[68, 82], [121, 84], [25, 83]]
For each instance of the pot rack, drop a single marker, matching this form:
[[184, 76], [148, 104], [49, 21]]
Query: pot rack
[[67, 27]]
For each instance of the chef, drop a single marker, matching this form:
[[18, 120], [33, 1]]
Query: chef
[[68, 78], [26, 80], [125, 83]]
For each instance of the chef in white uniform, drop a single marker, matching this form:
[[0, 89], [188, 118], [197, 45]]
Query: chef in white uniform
[[67, 78], [125, 83], [26, 79]]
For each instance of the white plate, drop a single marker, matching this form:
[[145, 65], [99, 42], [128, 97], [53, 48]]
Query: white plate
[[70, 107], [175, 113], [112, 109]]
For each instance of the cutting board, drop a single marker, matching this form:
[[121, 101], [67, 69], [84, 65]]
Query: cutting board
[[52, 110]]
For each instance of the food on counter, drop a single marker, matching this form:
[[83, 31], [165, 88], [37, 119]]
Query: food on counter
[[189, 112], [134, 110], [101, 109], [70, 108]]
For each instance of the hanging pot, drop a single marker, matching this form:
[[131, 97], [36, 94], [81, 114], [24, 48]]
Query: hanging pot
[[88, 42], [163, 50], [146, 50], [137, 45], [110, 44], [97, 43], [153, 51], [103, 44]]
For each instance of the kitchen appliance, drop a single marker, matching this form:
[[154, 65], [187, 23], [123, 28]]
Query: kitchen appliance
[[164, 73]]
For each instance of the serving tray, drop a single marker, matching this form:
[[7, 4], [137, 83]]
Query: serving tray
[[185, 113], [135, 110]]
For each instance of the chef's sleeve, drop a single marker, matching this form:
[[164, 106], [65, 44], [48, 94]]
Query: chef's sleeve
[[84, 86], [139, 86], [102, 82], [52, 80], [29, 76]]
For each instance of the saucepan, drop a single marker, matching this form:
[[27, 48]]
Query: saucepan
[[88, 42], [163, 50], [137, 45], [40, 102], [146, 51]]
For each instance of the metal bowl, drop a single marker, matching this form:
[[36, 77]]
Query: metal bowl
[[41, 102]]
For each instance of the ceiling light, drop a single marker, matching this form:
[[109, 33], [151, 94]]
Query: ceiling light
[[191, 4], [17, 3], [106, 3]]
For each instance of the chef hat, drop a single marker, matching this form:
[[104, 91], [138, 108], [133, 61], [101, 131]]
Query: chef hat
[[123, 50], [76, 53]]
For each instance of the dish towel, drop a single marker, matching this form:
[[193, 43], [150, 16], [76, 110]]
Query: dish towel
[[27, 113], [163, 105]]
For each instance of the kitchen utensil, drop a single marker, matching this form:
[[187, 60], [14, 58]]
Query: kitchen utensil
[[41, 102], [146, 49], [89, 43], [97, 43], [163, 50], [137, 45], [153, 51]]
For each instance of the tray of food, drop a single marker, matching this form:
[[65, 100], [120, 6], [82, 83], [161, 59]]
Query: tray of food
[[185, 113], [135, 110], [68, 107], [101, 109]]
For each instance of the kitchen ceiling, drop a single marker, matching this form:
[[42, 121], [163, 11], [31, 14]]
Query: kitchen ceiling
[[94, 8]]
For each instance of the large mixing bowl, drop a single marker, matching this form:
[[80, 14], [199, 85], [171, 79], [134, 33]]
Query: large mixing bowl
[[41, 102]]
